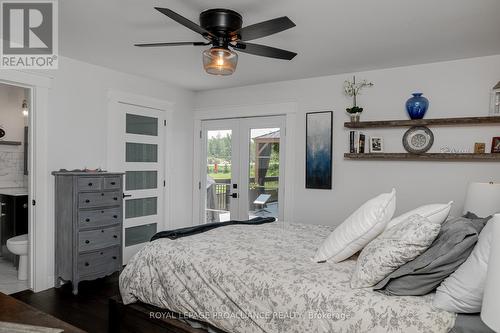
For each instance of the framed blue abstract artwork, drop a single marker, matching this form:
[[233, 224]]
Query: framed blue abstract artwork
[[319, 142]]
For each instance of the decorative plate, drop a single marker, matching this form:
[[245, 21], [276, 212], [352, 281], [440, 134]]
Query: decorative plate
[[418, 140], [2, 133]]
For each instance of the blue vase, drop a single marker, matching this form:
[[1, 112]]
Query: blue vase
[[417, 106]]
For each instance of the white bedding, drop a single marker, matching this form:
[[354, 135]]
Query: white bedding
[[262, 279]]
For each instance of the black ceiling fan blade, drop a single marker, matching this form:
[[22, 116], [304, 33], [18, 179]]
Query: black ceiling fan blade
[[171, 44], [184, 21], [265, 51], [265, 28]]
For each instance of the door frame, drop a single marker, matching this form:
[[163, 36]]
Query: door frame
[[287, 109], [119, 97], [40, 227]]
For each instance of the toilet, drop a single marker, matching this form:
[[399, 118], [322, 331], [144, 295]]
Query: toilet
[[19, 246]]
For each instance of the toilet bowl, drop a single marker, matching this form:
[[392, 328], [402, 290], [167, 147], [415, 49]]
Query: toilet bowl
[[19, 246]]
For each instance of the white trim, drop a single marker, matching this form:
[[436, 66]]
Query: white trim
[[289, 109], [119, 97], [41, 253]]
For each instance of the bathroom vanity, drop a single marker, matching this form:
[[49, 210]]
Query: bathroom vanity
[[13, 217]]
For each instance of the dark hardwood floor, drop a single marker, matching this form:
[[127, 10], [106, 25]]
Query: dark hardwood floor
[[88, 310]]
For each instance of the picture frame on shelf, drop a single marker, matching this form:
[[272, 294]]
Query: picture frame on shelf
[[479, 148], [376, 144], [495, 145]]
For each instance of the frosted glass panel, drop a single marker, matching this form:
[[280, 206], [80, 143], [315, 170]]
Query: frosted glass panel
[[143, 125], [139, 234], [141, 180], [140, 207], [141, 152]]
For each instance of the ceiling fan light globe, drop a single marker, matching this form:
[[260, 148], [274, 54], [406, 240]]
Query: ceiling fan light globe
[[219, 61]]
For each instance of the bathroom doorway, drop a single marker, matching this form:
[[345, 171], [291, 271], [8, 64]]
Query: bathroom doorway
[[15, 111]]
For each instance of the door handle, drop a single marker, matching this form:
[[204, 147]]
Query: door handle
[[233, 195], [127, 195]]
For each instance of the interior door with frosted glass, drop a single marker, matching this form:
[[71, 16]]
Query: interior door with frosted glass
[[139, 150], [220, 171]]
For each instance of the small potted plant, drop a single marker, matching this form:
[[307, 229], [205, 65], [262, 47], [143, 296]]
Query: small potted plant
[[353, 89]]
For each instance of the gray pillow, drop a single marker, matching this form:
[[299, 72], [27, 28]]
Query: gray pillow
[[451, 248]]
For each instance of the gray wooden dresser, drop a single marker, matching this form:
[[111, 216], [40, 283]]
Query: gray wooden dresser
[[88, 225]]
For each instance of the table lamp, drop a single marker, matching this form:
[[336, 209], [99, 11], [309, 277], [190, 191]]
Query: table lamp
[[483, 199], [490, 312]]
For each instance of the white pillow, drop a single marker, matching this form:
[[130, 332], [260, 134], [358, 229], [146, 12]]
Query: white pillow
[[359, 229], [436, 213], [462, 291], [393, 248]]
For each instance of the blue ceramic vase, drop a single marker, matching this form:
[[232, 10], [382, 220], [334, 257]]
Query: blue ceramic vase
[[417, 106]]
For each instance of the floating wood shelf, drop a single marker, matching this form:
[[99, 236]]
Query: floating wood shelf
[[424, 157], [426, 122], [11, 143]]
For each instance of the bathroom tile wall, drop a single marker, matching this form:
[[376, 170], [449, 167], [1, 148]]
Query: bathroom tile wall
[[12, 167], [12, 122]]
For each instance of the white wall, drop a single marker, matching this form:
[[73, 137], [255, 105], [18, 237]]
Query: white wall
[[77, 129], [13, 122], [456, 88]]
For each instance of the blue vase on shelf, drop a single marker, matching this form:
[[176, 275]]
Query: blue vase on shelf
[[417, 106]]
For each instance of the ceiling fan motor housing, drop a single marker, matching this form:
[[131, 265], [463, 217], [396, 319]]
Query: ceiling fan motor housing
[[221, 22]]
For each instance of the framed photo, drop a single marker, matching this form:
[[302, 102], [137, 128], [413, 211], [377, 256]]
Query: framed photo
[[479, 148], [376, 145], [495, 145], [319, 143]]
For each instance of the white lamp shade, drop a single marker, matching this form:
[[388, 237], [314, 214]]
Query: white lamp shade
[[483, 199], [490, 312]]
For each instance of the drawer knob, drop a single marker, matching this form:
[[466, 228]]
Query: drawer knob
[[102, 253], [114, 257], [87, 241], [90, 184], [102, 212], [87, 201], [115, 216], [87, 220], [115, 198], [102, 194], [102, 230], [113, 183], [115, 236], [86, 264]]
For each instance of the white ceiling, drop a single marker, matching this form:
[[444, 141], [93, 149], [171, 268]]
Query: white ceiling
[[331, 37]]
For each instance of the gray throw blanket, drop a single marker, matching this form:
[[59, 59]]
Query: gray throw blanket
[[189, 231]]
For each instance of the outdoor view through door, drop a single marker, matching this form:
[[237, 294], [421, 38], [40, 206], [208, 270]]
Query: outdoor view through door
[[242, 168]]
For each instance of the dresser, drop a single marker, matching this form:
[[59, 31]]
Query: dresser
[[88, 225]]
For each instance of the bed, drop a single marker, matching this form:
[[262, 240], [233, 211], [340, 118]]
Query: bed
[[262, 279]]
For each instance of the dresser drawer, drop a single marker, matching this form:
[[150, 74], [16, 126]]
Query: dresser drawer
[[89, 183], [99, 238], [99, 263], [99, 217], [112, 183], [98, 199]]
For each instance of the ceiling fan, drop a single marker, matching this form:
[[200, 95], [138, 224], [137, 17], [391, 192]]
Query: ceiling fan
[[222, 28]]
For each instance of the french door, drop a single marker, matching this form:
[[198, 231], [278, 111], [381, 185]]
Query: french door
[[137, 148], [242, 168]]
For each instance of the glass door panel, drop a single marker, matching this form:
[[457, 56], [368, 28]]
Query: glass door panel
[[264, 167], [219, 176]]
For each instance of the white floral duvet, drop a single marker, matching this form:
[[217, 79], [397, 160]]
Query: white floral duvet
[[262, 279]]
